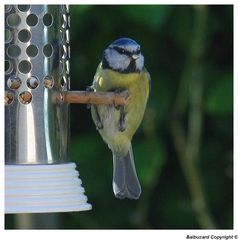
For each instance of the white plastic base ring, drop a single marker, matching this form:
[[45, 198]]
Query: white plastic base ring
[[44, 188]]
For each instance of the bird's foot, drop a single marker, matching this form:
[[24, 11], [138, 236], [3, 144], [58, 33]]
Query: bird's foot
[[122, 121], [88, 90], [97, 120], [118, 91]]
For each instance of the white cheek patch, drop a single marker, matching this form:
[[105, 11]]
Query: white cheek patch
[[140, 63], [121, 61], [117, 61]]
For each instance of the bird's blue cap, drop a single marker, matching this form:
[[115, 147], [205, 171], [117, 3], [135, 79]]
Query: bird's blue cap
[[124, 42]]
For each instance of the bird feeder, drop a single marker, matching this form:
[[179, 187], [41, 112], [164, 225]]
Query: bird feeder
[[39, 176]]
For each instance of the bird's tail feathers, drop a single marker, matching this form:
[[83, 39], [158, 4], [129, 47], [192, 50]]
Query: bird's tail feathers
[[125, 180]]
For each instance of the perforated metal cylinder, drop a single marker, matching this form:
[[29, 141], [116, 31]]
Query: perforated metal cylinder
[[36, 73], [38, 174]]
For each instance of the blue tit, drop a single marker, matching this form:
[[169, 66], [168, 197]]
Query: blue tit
[[122, 68]]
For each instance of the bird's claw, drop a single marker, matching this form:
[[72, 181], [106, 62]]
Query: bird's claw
[[97, 121], [89, 89], [118, 91], [122, 121]]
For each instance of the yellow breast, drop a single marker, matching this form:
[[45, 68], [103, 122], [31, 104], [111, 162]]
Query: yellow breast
[[138, 86], [107, 79]]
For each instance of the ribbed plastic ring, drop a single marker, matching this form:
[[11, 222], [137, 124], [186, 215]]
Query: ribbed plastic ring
[[43, 188]]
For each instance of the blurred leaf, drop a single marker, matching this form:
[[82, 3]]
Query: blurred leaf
[[182, 26], [220, 98], [78, 9], [83, 148], [149, 159], [152, 16], [94, 162]]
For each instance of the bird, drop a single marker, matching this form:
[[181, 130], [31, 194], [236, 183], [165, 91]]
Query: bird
[[122, 68]]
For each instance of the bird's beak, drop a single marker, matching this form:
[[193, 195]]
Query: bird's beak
[[135, 56]]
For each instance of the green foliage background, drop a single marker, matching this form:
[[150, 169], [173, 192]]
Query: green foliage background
[[166, 36]]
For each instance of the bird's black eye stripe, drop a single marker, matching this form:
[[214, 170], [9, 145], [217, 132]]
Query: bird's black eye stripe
[[138, 51], [122, 51]]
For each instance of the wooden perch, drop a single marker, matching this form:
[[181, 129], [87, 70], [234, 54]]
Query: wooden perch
[[106, 98]]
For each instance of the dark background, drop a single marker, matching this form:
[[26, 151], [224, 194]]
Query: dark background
[[184, 148]]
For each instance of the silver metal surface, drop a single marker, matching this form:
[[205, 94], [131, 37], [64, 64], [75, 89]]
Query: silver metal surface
[[36, 73]]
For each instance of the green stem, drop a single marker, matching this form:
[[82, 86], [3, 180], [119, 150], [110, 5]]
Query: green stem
[[190, 94]]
